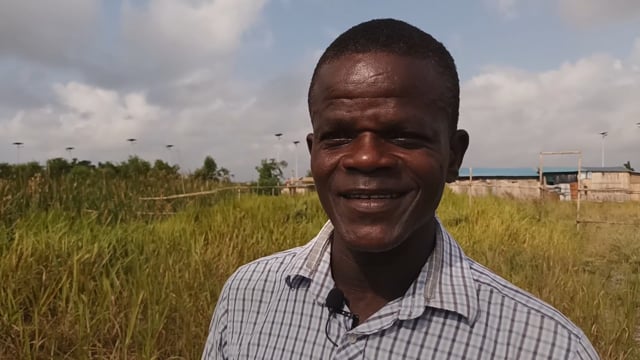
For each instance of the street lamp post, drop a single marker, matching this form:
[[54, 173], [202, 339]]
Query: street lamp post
[[604, 135], [168, 147], [296, 156], [132, 141], [18, 145], [69, 150], [278, 135]]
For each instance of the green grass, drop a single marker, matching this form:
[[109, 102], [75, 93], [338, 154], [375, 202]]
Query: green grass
[[77, 284]]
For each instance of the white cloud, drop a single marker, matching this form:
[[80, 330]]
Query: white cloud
[[135, 44], [162, 74], [165, 77], [103, 117], [167, 37], [236, 127], [512, 114], [595, 12], [95, 121]]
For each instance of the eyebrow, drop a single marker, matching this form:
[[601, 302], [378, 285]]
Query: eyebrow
[[396, 125]]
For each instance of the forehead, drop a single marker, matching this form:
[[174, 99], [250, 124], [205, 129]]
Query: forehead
[[376, 75]]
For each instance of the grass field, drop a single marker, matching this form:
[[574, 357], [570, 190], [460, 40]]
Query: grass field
[[91, 274]]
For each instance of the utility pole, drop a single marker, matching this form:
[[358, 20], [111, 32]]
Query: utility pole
[[604, 135]]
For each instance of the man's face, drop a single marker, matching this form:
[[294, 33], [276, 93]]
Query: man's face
[[381, 148]]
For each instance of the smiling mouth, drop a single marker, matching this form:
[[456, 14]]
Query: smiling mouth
[[371, 195]]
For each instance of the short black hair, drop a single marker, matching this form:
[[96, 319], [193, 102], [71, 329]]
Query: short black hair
[[398, 38]]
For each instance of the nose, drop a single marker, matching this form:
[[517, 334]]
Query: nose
[[367, 153]]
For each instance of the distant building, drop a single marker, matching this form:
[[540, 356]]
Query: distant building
[[597, 183], [610, 184], [299, 186], [520, 183]]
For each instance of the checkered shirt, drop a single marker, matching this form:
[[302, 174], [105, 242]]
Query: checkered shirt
[[273, 308]]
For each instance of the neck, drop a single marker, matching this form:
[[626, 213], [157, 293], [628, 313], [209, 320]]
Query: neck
[[370, 280]]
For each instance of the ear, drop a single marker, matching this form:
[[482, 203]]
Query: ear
[[310, 141], [458, 145]]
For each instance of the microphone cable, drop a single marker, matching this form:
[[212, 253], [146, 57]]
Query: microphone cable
[[335, 303]]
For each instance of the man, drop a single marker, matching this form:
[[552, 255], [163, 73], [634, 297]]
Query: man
[[383, 102]]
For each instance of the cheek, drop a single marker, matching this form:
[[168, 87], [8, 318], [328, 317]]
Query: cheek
[[323, 165], [428, 167], [317, 168], [429, 174]]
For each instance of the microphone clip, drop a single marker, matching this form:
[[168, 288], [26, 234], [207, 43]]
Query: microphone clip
[[335, 303]]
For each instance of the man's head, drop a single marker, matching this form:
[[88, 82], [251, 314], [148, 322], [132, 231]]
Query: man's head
[[402, 39], [384, 108]]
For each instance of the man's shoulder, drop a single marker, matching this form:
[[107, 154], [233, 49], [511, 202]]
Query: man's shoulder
[[493, 290], [264, 271]]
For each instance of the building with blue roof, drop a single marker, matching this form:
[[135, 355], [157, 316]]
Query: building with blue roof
[[612, 183]]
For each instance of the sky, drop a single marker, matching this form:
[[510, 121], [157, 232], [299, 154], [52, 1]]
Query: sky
[[222, 77]]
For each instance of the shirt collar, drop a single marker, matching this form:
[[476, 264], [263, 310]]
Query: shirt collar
[[445, 281], [311, 266]]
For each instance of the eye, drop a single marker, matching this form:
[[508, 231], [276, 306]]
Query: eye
[[409, 141], [334, 139]]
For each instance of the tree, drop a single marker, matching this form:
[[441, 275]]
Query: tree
[[211, 172], [108, 169], [82, 171], [58, 167], [627, 165], [27, 170], [83, 163], [164, 169], [6, 171], [224, 175], [270, 175], [208, 171], [135, 167]]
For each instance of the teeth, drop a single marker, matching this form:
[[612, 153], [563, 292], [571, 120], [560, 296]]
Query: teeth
[[371, 196]]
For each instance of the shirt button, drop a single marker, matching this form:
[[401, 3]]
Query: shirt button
[[352, 338]]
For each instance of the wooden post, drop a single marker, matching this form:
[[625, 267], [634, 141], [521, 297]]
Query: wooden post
[[470, 190], [540, 180], [579, 191], [573, 152]]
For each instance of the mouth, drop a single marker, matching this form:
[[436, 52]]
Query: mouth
[[372, 201], [371, 196]]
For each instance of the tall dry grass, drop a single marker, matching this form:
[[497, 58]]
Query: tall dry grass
[[77, 286]]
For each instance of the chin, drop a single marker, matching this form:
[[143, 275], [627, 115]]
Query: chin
[[371, 239]]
